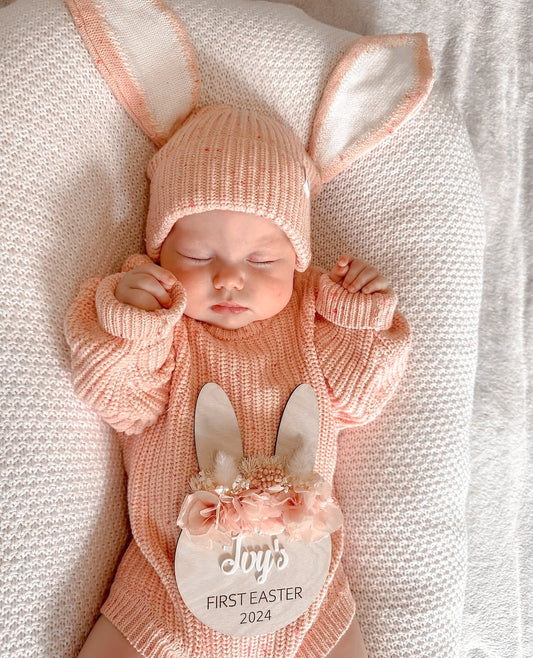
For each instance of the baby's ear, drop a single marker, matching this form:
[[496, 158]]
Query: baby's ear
[[377, 85], [298, 430], [216, 430]]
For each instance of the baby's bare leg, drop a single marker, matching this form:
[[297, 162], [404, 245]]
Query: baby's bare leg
[[351, 644], [105, 641]]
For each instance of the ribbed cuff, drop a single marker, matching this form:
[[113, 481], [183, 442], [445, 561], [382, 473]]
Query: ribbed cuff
[[354, 310], [131, 323]]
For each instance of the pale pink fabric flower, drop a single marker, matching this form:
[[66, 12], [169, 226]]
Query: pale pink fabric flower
[[310, 514], [259, 510], [229, 520], [305, 513], [199, 512]]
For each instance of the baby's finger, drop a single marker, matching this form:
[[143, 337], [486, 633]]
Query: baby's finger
[[148, 283], [140, 299], [357, 278], [356, 268], [379, 284], [165, 277], [338, 271]]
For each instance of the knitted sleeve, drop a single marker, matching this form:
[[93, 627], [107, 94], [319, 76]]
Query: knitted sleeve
[[123, 357], [362, 344]]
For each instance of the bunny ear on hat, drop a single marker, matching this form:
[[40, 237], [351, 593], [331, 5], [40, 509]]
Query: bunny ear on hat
[[148, 60], [379, 83], [158, 84]]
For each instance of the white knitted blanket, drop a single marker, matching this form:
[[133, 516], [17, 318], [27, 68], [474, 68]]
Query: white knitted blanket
[[72, 205], [483, 53]]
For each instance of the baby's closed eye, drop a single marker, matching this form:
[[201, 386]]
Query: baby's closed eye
[[262, 262], [200, 258], [263, 257]]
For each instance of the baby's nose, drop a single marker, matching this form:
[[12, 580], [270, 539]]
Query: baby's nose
[[229, 277]]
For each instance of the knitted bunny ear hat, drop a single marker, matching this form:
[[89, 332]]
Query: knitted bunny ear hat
[[225, 158]]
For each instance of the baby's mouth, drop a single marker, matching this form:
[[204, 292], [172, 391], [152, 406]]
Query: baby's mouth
[[228, 307]]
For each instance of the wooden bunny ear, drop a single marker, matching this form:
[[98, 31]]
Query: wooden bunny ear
[[297, 438], [145, 56], [216, 429], [378, 84]]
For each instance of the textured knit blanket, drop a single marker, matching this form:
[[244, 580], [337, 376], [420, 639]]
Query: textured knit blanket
[[436, 490], [483, 52]]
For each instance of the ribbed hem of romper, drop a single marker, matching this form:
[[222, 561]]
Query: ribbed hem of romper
[[126, 321], [329, 628], [136, 622], [354, 310]]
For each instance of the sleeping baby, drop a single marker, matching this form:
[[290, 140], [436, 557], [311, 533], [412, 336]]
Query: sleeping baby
[[226, 295]]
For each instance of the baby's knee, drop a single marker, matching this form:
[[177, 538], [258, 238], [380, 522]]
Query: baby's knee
[[105, 641]]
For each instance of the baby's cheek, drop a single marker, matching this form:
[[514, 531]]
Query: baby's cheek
[[283, 291]]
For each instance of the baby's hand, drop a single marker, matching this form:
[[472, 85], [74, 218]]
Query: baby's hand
[[356, 275], [146, 287]]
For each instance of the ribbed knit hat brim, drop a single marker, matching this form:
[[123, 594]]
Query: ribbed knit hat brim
[[225, 158]]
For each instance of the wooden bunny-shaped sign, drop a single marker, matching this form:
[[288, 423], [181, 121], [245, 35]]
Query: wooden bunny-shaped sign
[[254, 550]]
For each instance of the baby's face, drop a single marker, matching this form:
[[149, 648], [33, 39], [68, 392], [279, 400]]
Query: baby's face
[[237, 268]]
